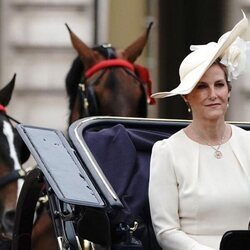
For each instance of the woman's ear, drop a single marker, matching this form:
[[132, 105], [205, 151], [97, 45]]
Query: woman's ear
[[184, 98], [229, 89]]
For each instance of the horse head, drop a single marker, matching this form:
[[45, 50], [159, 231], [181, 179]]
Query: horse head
[[13, 152], [108, 80]]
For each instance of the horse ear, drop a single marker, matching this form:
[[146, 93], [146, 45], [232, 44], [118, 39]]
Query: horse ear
[[86, 54], [134, 50], [6, 92]]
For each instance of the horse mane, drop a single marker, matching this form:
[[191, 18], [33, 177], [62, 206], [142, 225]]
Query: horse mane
[[73, 78], [75, 73]]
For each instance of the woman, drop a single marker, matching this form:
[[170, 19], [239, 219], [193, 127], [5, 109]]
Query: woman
[[199, 177]]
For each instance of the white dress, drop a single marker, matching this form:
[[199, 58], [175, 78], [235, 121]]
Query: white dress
[[194, 197]]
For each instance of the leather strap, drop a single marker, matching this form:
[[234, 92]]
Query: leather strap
[[107, 64]]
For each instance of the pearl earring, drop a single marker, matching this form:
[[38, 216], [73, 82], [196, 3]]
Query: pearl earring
[[189, 110]]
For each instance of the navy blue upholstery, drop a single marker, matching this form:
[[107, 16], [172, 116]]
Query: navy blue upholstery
[[124, 156]]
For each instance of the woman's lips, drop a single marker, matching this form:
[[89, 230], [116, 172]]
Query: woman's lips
[[213, 105]]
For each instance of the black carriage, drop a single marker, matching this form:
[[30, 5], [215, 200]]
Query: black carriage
[[96, 181]]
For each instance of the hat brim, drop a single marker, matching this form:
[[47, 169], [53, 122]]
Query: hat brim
[[192, 78]]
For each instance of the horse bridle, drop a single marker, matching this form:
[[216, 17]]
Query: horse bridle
[[15, 174], [88, 101]]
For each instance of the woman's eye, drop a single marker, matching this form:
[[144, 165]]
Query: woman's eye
[[220, 84], [201, 86]]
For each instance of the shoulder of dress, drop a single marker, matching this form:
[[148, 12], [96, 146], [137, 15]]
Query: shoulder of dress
[[240, 130], [178, 139]]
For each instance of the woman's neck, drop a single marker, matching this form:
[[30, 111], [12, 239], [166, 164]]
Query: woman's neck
[[208, 132]]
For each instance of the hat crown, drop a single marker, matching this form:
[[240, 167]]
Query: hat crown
[[202, 57], [200, 54]]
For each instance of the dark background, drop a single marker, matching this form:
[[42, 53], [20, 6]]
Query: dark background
[[182, 23]]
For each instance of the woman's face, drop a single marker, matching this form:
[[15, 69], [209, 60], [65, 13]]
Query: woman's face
[[209, 98]]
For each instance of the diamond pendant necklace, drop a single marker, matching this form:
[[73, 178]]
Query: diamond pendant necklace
[[217, 153]]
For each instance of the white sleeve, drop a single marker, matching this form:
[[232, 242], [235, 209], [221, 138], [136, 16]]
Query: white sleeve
[[163, 200]]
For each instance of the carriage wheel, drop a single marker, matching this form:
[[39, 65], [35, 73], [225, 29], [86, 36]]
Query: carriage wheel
[[24, 222]]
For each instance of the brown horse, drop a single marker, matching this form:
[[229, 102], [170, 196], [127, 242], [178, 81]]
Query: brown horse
[[110, 84], [13, 152], [105, 81]]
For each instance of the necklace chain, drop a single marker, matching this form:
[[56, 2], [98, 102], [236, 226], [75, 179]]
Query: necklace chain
[[217, 153]]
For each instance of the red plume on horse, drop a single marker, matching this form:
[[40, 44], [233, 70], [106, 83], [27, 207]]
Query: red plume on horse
[[106, 81]]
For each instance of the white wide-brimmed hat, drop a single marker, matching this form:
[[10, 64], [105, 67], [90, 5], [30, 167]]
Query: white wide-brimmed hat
[[230, 48]]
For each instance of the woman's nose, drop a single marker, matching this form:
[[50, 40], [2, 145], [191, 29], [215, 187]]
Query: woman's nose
[[212, 93]]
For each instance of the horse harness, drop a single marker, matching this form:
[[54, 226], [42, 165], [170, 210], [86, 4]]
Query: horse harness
[[15, 174], [88, 101]]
